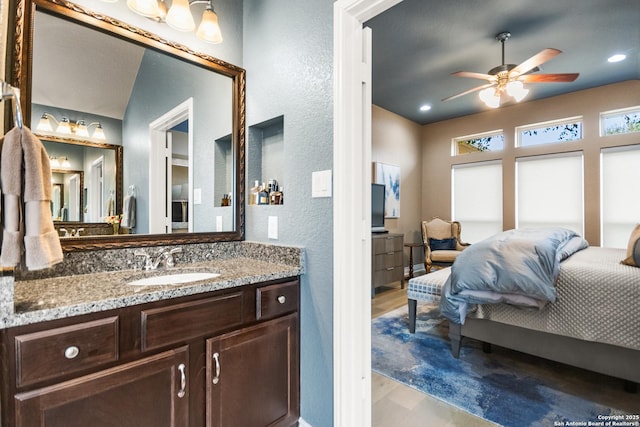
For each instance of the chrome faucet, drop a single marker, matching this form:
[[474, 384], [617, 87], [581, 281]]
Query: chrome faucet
[[166, 257]]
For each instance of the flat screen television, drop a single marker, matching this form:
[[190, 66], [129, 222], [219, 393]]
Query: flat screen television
[[377, 208]]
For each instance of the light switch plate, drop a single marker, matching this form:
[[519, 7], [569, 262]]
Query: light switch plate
[[218, 223], [321, 183], [197, 196], [272, 229]]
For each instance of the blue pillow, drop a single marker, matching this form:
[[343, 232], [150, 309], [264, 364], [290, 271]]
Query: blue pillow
[[443, 244]]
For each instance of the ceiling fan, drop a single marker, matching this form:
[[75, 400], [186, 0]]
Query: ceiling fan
[[509, 78]]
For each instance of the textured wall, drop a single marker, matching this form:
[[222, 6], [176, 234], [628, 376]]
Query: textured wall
[[437, 159], [289, 60], [397, 141]]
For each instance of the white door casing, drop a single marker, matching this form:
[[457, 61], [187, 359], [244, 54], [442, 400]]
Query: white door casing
[[160, 167], [351, 212]]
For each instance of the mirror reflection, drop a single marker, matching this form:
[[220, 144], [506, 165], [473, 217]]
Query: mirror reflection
[[172, 120]]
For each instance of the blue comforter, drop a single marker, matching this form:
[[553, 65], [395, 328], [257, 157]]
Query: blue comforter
[[516, 266]]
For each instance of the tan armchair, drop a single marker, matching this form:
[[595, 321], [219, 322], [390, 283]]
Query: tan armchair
[[447, 245]]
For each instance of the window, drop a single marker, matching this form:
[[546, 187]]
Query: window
[[619, 202], [555, 131], [549, 191], [477, 199], [480, 142], [618, 122]]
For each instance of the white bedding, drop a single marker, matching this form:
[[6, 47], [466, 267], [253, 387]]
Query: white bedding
[[598, 300]]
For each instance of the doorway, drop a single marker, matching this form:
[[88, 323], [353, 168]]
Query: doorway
[[97, 209], [176, 125], [351, 231]]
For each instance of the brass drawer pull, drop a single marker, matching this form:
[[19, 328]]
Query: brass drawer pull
[[71, 352], [390, 268], [216, 357], [282, 299]]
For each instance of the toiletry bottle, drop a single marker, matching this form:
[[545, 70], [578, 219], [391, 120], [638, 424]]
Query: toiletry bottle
[[263, 196]]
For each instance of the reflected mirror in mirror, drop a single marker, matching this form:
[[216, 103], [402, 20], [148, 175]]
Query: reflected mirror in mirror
[[175, 116]]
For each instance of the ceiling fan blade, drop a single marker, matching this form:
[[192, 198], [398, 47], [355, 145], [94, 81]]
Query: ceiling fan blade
[[537, 59], [474, 75], [549, 78], [475, 89]]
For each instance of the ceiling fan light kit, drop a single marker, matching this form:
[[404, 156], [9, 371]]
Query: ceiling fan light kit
[[509, 78]]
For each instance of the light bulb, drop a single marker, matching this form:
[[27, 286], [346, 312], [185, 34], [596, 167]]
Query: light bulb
[[516, 90], [99, 132], [44, 125], [489, 97], [146, 8], [81, 129], [64, 126], [209, 30], [179, 16]]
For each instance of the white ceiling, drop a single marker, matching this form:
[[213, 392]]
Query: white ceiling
[[417, 44], [84, 65]]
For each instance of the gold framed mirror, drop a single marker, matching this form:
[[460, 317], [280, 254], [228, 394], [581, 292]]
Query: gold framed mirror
[[213, 167]]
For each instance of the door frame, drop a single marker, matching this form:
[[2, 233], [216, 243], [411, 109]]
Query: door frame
[[159, 197], [351, 211]]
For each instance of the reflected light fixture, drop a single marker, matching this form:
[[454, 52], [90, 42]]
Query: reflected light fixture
[[61, 161], [179, 16], [65, 127]]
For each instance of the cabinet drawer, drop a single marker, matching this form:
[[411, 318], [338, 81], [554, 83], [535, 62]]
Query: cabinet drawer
[[274, 300], [56, 352], [382, 277], [384, 261], [179, 323], [387, 244]]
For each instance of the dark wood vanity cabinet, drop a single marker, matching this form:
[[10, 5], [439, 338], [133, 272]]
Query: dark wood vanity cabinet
[[225, 358], [147, 392]]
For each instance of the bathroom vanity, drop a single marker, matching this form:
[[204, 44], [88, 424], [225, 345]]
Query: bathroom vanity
[[217, 352]]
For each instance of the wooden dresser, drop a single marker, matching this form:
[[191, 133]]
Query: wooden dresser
[[387, 265]]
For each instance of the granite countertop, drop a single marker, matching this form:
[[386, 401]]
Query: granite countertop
[[65, 296]]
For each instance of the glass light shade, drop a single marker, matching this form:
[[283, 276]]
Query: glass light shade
[[209, 30], [44, 125], [99, 133], [65, 163], [81, 129], [64, 126], [489, 97], [147, 8], [517, 90], [179, 16], [54, 162]]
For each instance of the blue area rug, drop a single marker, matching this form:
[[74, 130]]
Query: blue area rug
[[506, 387]]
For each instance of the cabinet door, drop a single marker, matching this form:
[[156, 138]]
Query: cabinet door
[[149, 392], [253, 377]]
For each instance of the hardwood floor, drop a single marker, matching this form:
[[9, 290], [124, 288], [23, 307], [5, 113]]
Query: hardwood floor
[[395, 404]]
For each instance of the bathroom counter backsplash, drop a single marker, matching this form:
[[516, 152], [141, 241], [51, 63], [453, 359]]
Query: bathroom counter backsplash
[[88, 288]]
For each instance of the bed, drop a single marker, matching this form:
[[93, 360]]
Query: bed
[[594, 322]]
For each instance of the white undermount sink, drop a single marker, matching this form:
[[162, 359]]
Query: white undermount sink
[[173, 279]]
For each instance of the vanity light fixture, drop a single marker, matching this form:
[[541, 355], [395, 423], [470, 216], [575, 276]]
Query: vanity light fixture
[[61, 161], [179, 16], [65, 127], [82, 129]]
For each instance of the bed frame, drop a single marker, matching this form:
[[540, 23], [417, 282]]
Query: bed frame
[[606, 359]]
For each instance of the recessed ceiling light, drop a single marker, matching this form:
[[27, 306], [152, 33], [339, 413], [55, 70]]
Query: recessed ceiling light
[[425, 107], [617, 57]]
